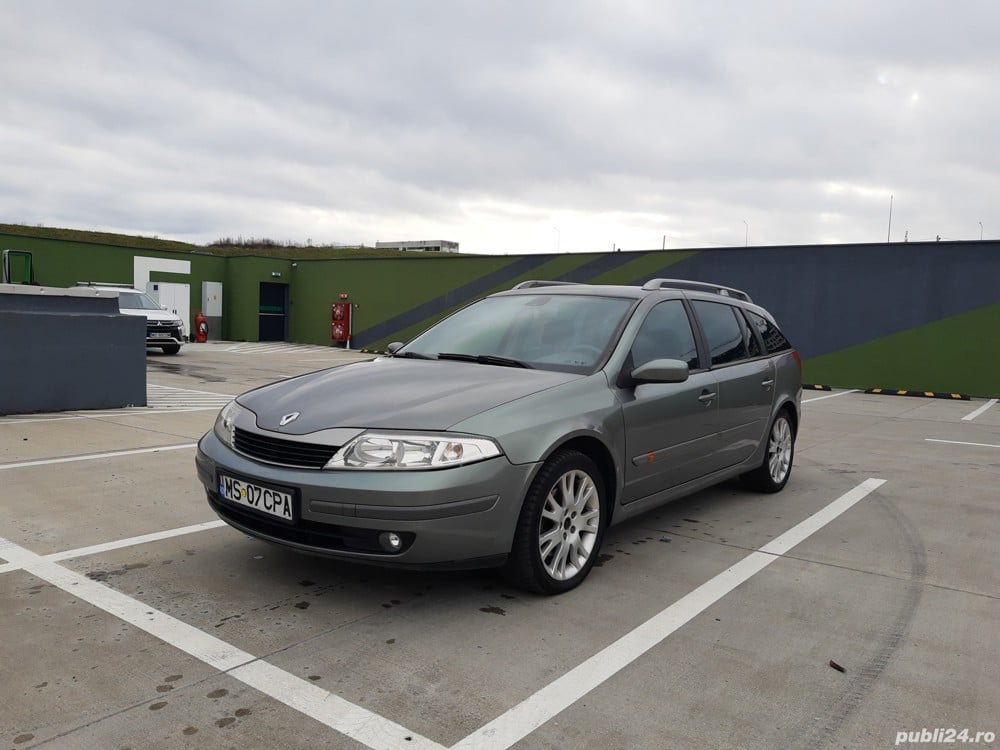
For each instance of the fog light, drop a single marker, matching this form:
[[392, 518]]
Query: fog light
[[390, 541]]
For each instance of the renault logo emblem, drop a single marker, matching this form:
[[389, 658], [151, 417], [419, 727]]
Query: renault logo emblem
[[288, 418]]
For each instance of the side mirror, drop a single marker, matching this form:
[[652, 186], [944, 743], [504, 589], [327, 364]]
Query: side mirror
[[394, 347], [163, 307], [661, 371]]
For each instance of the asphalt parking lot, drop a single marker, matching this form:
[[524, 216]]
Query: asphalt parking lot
[[860, 603]]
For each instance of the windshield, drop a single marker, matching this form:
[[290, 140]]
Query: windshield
[[136, 301], [550, 332]]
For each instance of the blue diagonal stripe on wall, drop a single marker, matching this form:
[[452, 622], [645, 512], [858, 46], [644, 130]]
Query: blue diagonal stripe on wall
[[828, 298]]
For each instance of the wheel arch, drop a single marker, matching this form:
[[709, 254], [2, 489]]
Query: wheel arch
[[600, 454], [793, 413]]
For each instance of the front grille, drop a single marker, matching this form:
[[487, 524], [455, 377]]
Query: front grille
[[274, 450]]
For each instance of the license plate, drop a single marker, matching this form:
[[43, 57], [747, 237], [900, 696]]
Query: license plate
[[157, 335], [264, 499]]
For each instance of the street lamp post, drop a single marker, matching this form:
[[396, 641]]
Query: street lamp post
[[888, 234], [980, 231], [746, 237]]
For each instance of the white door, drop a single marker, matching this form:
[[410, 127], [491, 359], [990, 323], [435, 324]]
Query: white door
[[175, 297]]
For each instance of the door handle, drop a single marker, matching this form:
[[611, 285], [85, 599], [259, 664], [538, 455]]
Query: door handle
[[767, 384], [706, 397]]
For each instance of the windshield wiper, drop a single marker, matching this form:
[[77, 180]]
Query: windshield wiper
[[412, 355], [485, 359]]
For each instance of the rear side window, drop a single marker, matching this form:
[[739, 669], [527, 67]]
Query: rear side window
[[752, 344], [774, 340], [723, 333]]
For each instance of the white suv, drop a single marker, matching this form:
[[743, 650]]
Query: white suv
[[164, 330]]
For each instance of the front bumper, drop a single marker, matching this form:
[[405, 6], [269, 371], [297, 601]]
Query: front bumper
[[165, 342], [160, 334], [461, 517]]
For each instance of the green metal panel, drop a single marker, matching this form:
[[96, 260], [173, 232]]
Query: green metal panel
[[17, 267]]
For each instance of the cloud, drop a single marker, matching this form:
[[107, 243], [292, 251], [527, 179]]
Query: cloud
[[509, 127]]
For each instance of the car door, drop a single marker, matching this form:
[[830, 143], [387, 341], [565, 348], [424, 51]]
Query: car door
[[745, 377], [670, 428]]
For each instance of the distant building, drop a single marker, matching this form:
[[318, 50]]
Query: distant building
[[420, 246]]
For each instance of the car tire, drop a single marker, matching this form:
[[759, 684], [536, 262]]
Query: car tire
[[561, 526], [773, 472], [171, 349]]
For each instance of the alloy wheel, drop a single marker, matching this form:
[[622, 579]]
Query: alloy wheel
[[569, 525], [779, 449]]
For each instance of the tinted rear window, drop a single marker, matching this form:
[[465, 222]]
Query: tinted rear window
[[774, 340]]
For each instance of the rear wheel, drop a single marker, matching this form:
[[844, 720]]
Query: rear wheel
[[561, 526], [773, 472]]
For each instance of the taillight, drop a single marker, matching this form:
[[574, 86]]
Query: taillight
[[798, 361]]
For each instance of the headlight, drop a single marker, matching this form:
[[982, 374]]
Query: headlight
[[225, 422], [382, 451]]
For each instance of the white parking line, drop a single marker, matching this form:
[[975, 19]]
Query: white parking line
[[377, 731], [340, 715], [278, 347], [131, 541], [969, 417], [160, 399], [959, 442], [94, 456], [831, 395], [165, 396], [129, 412], [538, 709]]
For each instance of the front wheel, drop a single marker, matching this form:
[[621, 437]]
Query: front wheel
[[171, 348], [561, 525], [773, 472]]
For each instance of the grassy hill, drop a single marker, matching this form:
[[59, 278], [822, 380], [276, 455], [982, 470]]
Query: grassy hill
[[227, 247]]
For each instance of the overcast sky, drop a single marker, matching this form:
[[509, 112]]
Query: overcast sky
[[509, 127]]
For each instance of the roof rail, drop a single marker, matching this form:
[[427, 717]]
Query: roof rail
[[105, 283], [696, 286], [535, 282]]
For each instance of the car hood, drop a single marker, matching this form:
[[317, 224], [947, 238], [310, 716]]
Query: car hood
[[399, 394], [158, 315]]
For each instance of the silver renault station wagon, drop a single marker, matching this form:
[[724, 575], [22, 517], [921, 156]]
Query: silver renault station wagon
[[514, 432]]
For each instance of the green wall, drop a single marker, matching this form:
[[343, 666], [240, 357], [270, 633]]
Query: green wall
[[62, 263], [402, 296], [643, 267], [381, 287], [552, 269], [241, 294]]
